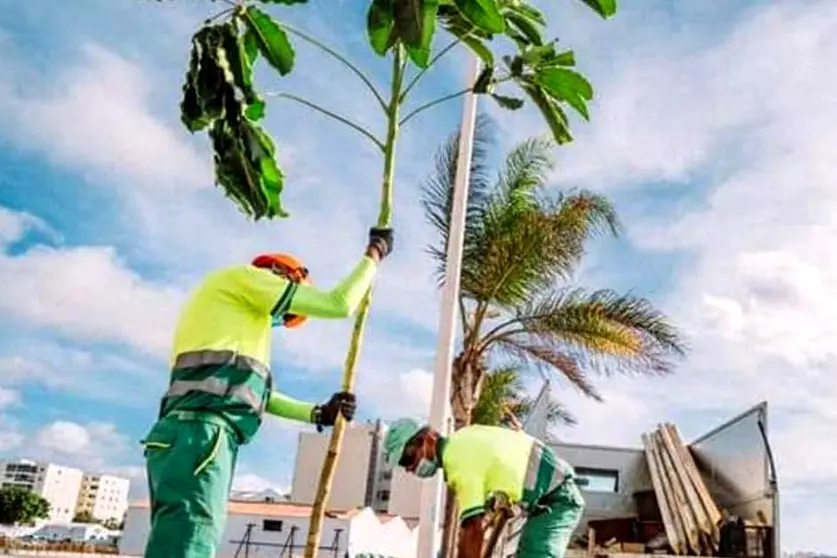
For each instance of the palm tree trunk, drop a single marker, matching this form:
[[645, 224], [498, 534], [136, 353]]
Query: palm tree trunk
[[467, 376]]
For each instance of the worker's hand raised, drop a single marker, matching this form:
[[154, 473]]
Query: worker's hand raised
[[343, 403], [381, 242]]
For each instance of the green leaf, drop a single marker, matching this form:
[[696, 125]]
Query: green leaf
[[510, 103], [566, 58], [530, 12], [421, 55], [604, 8], [526, 28], [567, 85], [255, 110], [485, 14], [462, 30], [551, 112], [271, 39], [251, 46], [380, 25]]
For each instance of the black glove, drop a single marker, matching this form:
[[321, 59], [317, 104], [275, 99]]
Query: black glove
[[326, 414], [382, 240]]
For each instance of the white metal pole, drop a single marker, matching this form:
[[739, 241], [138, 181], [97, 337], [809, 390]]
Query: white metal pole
[[431, 490]]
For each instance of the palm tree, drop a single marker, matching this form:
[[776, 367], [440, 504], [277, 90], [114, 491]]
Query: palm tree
[[522, 246], [504, 397]]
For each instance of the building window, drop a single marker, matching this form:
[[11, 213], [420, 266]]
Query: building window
[[274, 525], [383, 495], [597, 480]]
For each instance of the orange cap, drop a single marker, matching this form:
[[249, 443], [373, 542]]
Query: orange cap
[[290, 268]]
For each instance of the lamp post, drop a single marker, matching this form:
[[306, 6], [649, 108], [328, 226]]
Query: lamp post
[[440, 416]]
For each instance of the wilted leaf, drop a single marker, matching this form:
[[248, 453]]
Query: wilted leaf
[[206, 87], [483, 82], [238, 61], [420, 54], [380, 25], [409, 18], [510, 103], [271, 39], [604, 8], [485, 14], [246, 169]]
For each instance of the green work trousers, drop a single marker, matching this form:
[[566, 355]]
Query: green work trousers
[[190, 460], [547, 531]]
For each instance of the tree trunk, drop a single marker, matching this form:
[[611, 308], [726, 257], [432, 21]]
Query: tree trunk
[[468, 371]]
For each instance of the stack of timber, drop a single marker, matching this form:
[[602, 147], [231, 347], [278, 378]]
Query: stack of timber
[[689, 514]]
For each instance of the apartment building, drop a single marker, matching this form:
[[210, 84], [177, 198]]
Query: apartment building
[[104, 497], [58, 485]]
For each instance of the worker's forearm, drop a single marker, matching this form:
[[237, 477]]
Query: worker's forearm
[[471, 538], [287, 407], [340, 302]]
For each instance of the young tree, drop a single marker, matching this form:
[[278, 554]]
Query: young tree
[[220, 97], [18, 505]]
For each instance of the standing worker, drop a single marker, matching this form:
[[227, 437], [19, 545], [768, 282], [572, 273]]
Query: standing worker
[[480, 463], [221, 386]]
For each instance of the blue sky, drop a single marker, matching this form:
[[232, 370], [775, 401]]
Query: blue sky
[[712, 131]]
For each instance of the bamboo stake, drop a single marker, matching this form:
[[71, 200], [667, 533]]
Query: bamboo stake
[[312, 542]]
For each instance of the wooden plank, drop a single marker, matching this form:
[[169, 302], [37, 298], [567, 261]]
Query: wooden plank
[[662, 499], [695, 506], [709, 504], [681, 504]]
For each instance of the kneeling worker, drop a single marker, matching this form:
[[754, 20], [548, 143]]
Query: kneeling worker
[[481, 462], [221, 387]]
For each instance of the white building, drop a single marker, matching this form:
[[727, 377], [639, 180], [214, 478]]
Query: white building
[[74, 532], [281, 528], [56, 484], [104, 497], [362, 477]]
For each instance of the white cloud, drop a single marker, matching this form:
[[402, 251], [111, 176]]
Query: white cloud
[[96, 117], [94, 446], [250, 482], [8, 397], [751, 116], [87, 292]]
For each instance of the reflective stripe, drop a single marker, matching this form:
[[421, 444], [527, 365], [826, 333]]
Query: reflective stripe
[[536, 456], [217, 387], [195, 359]]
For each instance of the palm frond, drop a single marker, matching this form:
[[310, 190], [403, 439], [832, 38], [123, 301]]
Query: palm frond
[[556, 413], [523, 249], [503, 389], [602, 332], [544, 357], [437, 190]]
